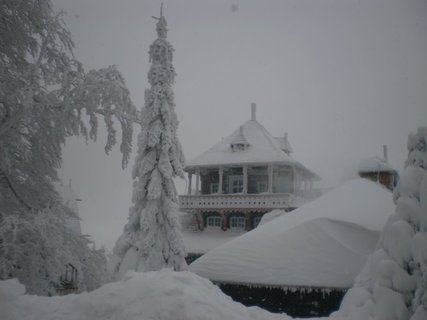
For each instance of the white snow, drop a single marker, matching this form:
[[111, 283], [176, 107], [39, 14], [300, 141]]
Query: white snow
[[263, 148], [271, 215], [160, 295], [324, 243], [69, 198], [394, 279], [374, 164], [208, 239]]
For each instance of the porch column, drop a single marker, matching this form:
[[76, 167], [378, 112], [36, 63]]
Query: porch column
[[270, 178], [223, 220], [220, 173], [197, 180], [190, 176], [245, 179]]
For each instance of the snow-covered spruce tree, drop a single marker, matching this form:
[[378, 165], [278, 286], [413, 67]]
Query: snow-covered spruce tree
[[393, 283], [152, 239], [43, 93]]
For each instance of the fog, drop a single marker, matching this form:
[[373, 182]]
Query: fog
[[341, 77]]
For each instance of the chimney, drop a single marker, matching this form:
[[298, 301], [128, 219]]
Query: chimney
[[253, 109], [385, 152]]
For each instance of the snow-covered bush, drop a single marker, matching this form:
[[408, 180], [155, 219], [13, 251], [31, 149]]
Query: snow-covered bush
[[393, 283], [151, 239]]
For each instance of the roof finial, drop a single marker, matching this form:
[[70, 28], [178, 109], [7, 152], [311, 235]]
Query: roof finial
[[253, 111]]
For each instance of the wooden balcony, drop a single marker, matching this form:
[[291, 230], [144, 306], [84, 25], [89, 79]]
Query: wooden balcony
[[262, 201]]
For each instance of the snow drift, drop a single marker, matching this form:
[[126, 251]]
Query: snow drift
[[321, 244], [159, 295]]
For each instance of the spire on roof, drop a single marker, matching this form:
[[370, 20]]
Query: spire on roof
[[253, 111]]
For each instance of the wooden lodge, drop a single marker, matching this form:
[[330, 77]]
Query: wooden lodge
[[378, 170], [244, 176]]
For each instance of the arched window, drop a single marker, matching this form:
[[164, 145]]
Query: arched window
[[237, 223]]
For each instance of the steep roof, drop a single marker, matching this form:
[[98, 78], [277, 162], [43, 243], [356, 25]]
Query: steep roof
[[321, 244], [284, 144], [262, 148], [375, 164]]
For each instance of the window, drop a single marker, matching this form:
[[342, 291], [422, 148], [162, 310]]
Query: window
[[237, 222], [262, 186], [236, 183], [213, 221], [256, 221], [214, 187]]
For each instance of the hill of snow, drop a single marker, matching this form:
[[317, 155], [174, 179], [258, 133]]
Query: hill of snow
[[160, 295], [321, 244]]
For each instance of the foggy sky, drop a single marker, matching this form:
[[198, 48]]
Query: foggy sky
[[342, 77]]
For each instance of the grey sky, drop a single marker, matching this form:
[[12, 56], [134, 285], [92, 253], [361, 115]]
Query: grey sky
[[342, 77]]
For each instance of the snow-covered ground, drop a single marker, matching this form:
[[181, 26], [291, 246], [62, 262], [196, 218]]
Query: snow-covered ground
[[160, 295]]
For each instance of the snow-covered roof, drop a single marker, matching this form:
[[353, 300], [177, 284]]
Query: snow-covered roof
[[284, 144], [210, 238], [321, 244], [374, 164], [263, 148]]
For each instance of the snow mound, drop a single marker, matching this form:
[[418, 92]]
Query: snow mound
[[271, 215], [318, 253], [359, 201], [210, 238], [159, 295], [321, 244]]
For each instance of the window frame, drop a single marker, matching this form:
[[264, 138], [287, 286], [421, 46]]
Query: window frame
[[232, 179], [237, 222], [216, 222], [256, 220], [262, 183], [212, 187]]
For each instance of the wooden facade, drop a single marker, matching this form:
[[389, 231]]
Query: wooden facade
[[387, 178], [249, 173], [238, 196]]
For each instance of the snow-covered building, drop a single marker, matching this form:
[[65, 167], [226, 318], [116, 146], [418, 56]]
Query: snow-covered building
[[244, 176], [378, 170], [309, 257]]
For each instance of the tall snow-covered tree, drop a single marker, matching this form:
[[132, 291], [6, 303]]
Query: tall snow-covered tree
[[152, 239], [44, 94], [393, 283]]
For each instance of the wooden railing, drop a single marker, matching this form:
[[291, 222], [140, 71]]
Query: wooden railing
[[237, 201]]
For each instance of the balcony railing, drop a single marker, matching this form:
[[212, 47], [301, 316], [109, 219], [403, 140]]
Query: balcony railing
[[237, 201]]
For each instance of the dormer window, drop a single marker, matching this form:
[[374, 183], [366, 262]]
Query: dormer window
[[239, 143], [238, 146]]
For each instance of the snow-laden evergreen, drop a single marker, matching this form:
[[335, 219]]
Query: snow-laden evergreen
[[152, 239], [393, 283]]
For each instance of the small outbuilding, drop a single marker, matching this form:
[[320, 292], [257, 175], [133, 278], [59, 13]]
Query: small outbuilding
[[377, 169]]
